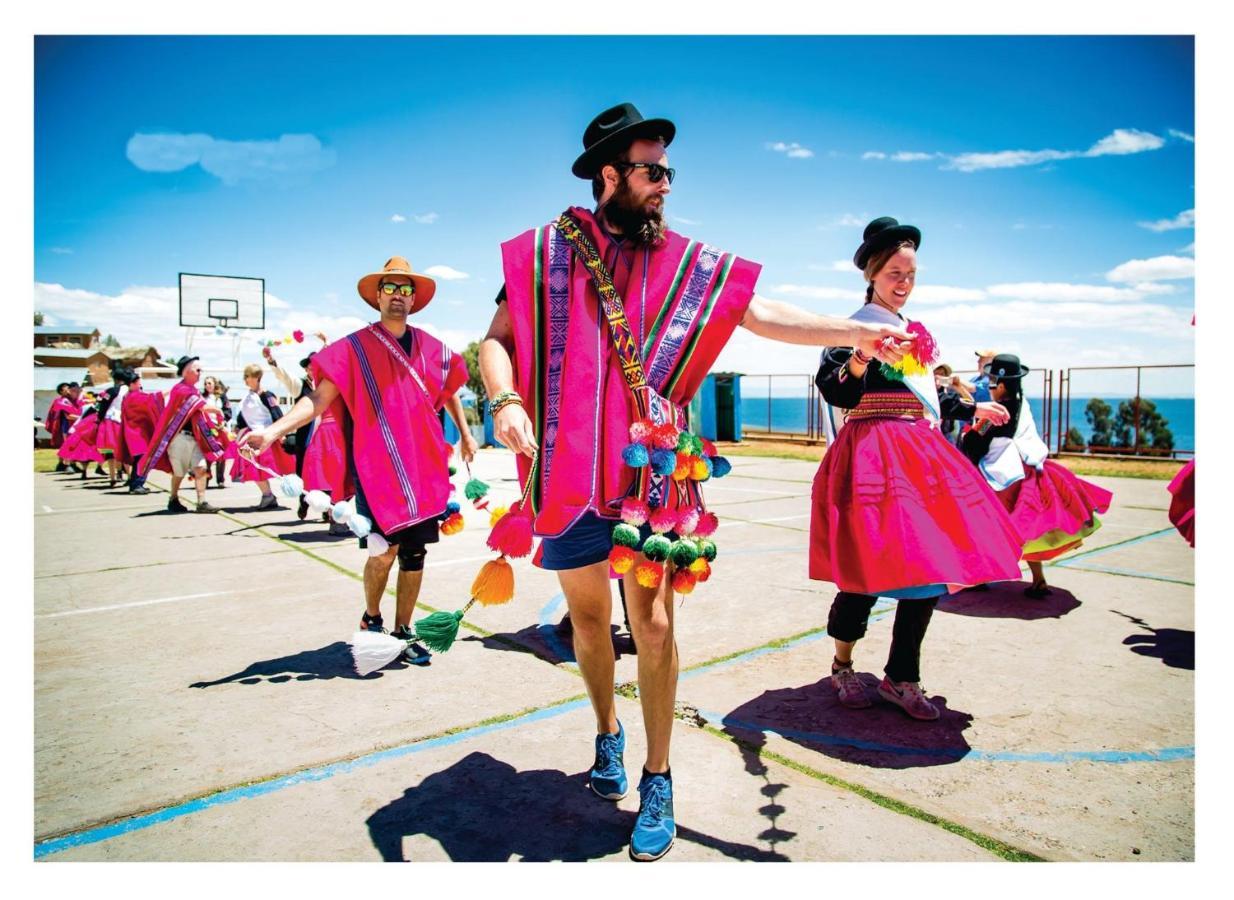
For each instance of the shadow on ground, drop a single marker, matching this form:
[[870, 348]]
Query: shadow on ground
[[330, 661], [1006, 600], [881, 736], [553, 643], [1173, 646], [483, 810]]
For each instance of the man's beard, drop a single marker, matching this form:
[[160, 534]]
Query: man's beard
[[638, 224]]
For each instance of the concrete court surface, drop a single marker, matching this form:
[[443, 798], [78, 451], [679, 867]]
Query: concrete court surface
[[194, 698]]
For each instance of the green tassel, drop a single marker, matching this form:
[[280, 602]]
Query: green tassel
[[626, 536], [657, 547], [683, 553], [707, 549], [475, 489], [891, 373], [439, 630]]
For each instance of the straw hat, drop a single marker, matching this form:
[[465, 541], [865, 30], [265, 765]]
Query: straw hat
[[397, 265]]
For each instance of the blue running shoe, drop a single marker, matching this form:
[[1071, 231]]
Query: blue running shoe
[[608, 773], [655, 827]]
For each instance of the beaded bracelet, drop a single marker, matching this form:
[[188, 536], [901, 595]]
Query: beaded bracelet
[[502, 400]]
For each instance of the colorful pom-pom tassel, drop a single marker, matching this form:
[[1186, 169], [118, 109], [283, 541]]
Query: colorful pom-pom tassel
[[682, 470], [649, 574], [657, 548], [683, 553], [720, 467], [438, 630], [453, 507], [640, 431], [298, 335], [511, 535], [684, 581], [700, 468], [341, 511], [634, 512], [685, 443], [687, 522], [925, 348], [701, 569], [663, 462], [621, 559], [291, 486], [318, 501], [635, 456], [361, 526], [494, 583], [452, 525], [495, 516], [709, 449], [475, 489], [707, 525], [664, 436], [453, 470], [663, 520], [625, 535], [708, 550]]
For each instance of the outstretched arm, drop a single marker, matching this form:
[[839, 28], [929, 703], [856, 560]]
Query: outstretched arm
[[511, 425], [306, 409], [790, 324]]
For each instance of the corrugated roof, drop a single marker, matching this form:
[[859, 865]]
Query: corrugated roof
[[67, 352], [64, 329]]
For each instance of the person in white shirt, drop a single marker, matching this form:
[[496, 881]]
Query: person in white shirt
[[258, 411]]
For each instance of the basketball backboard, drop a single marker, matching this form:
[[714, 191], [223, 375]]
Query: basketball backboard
[[207, 301]]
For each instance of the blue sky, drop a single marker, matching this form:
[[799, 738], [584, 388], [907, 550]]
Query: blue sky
[[1053, 178]]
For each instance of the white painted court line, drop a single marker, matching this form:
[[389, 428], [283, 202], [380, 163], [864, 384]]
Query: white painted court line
[[766, 521], [94, 609], [707, 489], [48, 509]]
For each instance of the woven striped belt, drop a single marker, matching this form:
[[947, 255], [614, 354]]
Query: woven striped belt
[[887, 405]]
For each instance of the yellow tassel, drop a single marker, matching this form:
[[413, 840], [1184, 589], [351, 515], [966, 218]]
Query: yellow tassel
[[494, 584], [497, 514], [910, 365]]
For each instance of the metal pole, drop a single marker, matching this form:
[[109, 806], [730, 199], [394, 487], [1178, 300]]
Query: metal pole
[[1135, 410]]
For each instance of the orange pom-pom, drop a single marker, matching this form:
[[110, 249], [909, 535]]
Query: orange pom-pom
[[495, 583], [684, 581], [699, 470], [621, 559], [453, 524], [701, 569], [649, 574], [682, 472]]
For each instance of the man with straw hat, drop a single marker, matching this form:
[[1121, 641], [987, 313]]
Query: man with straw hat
[[589, 430], [388, 381]]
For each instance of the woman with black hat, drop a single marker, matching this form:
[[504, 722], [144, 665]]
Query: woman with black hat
[[1052, 508], [897, 511]]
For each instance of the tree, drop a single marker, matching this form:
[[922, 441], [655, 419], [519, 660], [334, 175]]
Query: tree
[[1097, 412], [1074, 439], [1154, 429], [475, 383], [110, 341], [38, 319]]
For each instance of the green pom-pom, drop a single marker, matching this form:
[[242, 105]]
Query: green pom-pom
[[683, 553], [707, 548], [891, 373], [657, 548], [625, 536], [439, 630], [475, 489], [453, 471], [684, 443]]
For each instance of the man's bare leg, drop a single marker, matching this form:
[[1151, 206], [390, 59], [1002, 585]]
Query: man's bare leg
[[199, 484], [590, 600], [651, 624], [176, 481], [376, 575], [406, 594]]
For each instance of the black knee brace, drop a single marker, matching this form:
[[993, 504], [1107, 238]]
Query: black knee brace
[[411, 559]]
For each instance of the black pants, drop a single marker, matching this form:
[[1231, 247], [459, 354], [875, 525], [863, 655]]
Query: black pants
[[850, 613], [135, 480]]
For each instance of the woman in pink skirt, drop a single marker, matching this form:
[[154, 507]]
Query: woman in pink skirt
[[108, 438], [78, 446], [897, 511], [258, 411], [1053, 509]]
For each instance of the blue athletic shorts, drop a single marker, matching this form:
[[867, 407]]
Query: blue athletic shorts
[[586, 542]]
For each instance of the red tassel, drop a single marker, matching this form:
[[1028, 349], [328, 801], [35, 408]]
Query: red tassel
[[511, 535]]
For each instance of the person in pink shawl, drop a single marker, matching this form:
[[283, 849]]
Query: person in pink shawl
[[188, 438], [61, 415], [560, 390], [139, 416], [386, 383]]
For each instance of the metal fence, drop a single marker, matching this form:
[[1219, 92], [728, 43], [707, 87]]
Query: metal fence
[[788, 407]]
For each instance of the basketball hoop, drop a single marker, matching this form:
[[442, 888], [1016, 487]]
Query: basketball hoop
[[221, 303]]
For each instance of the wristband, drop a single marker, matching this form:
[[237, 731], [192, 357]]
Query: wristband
[[502, 400]]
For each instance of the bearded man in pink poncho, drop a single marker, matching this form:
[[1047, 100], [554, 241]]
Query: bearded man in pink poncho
[[570, 370], [386, 383]]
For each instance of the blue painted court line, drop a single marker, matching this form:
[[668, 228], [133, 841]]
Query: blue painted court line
[[1117, 545], [1107, 570], [548, 630], [1166, 754], [320, 773]]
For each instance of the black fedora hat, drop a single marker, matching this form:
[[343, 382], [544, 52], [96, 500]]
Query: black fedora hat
[[882, 233], [304, 363], [613, 131], [183, 362], [1005, 365]]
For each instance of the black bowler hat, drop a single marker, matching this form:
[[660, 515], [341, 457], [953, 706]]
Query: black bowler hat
[[304, 363], [182, 363], [612, 132], [1005, 365], [882, 233]]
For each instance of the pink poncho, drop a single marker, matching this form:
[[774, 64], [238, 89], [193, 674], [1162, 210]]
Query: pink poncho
[[391, 400], [185, 406]]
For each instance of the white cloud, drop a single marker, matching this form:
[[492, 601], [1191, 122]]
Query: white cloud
[[1182, 135], [445, 273], [1185, 219], [813, 292], [1027, 316], [941, 293], [684, 221], [1190, 248], [1120, 142], [907, 156], [1159, 268], [62, 251], [232, 162], [793, 150], [847, 220], [873, 154], [396, 218], [1056, 292], [426, 218], [273, 302]]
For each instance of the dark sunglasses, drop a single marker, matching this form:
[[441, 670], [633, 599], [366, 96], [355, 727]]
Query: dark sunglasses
[[655, 171], [389, 287]]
